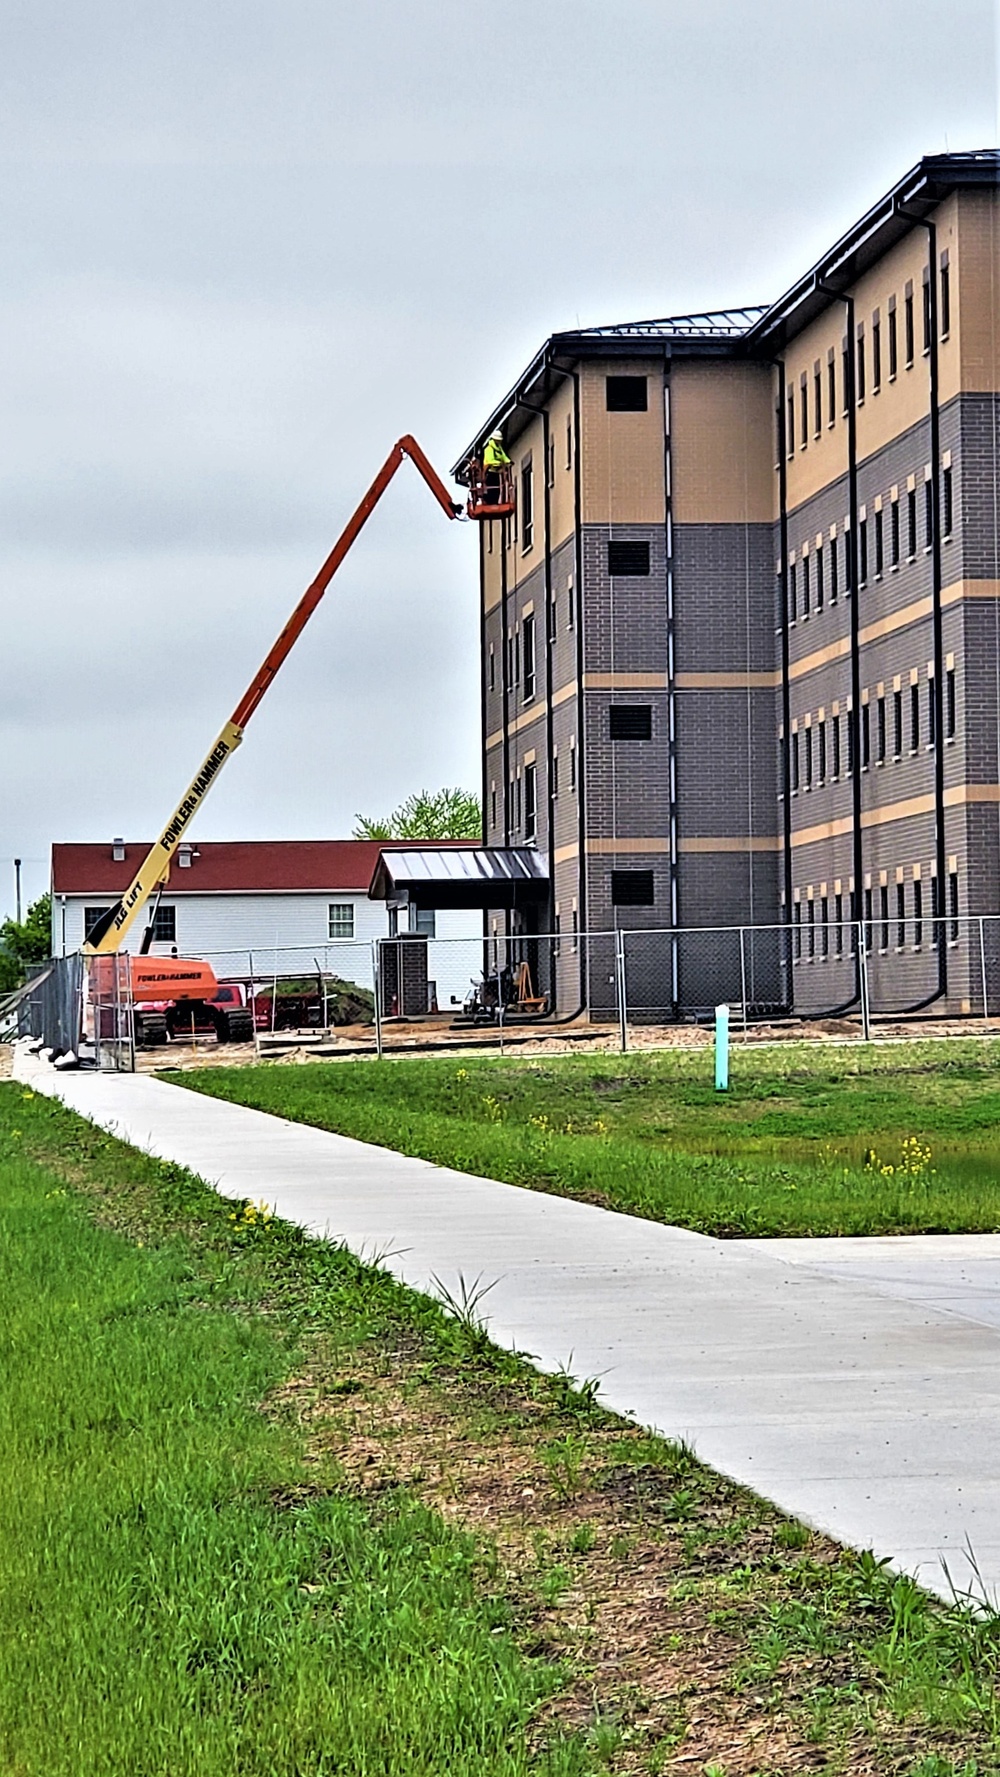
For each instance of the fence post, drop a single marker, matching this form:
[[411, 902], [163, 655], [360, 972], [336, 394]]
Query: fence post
[[866, 1014], [377, 998], [982, 970], [622, 1003], [743, 979]]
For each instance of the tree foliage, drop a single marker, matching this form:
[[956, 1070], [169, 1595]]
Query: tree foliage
[[29, 942], [430, 814]]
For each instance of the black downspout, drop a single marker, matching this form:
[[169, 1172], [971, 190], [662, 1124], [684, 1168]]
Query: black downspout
[[937, 621], [786, 696], [547, 577]]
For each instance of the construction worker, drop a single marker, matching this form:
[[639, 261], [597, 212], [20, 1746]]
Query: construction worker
[[495, 461]]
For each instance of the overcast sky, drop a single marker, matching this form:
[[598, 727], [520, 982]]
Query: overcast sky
[[247, 245]]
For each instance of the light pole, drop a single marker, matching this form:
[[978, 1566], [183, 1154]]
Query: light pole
[[17, 888]]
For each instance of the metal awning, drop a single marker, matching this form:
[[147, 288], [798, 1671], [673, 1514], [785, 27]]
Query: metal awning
[[459, 876]]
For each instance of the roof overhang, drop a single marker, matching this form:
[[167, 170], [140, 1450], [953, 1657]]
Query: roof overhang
[[473, 876]]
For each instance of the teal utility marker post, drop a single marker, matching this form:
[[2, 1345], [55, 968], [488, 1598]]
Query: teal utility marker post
[[722, 1048]]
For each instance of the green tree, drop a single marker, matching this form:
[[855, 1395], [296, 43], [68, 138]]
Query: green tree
[[431, 814], [29, 942]]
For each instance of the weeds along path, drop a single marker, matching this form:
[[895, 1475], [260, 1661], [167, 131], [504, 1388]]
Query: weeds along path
[[264, 1509]]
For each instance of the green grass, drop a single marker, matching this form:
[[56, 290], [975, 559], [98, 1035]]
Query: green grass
[[173, 1597], [809, 1140]]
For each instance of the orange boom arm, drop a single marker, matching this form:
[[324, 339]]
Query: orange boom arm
[[109, 931]]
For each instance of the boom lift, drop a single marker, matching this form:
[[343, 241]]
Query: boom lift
[[179, 978]]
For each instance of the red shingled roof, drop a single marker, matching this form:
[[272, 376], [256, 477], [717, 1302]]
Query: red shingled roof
[[232, 866]]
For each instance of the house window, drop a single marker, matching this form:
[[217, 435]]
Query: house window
[[628, 557], [528, 656], [530, 802], [876, 353], [947, 502], [527, 506], [914, 717], [631, 721], [819, 577], [879, 545], [945, 296], [424, 921], [340, 919], [626, 394], [949, 703], [918, 913], [894, 534], [908, 325], [91, 915], [835, 747], [880, 729], [893, 340], [911, 523], [632, 888], [897, 724], [165, 925]]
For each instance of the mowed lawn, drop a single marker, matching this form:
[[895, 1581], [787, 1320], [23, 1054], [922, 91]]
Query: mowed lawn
[[179, 1595], [808, 1140]]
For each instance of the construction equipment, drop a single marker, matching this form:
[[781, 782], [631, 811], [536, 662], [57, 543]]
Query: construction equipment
[[108, 933]]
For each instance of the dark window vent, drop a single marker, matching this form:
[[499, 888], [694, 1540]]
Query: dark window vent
[[632, 888], [626, 394], [631, 721], [628, 558]]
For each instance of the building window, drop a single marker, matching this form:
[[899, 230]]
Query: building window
[[340, 919], [883, 908], [570, 605], [928, 514], [918, 913], [914, 717], [852, 739], [835, 746], [947, 502], [879, 545], [833, 570], [869, 919], [812, 931], [953, 906], [876, 353], [91, 915], [949, 703], [165, 925], [897, 724], [821, 752], [424, 921], [574, 942], [817, 400], [845, 366], [945, 296], [493, 807], [848, 563], [900, 915], [911, 523], [527, 505], [628, 557], [819, 577], [838, 922], [555, 776], [493, 669], [517, 802], [632, 888], [790, 428], [860, 360], [863, 551], [572, 765], [893, 340], [630, 721], [795, 760], [804, 411], [908, 325], [831, 389], [569, 441], [866, 736], [626, 394], [550, 463], [793, 592], [530, 802], [931, 714], [935, 913], [528, 656], [824, 929], [808, 753], [797, 952], [805, 586], [927, 309], [894, 534], [880, 729]]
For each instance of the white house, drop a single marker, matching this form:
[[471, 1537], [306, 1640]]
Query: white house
[[256, 907]]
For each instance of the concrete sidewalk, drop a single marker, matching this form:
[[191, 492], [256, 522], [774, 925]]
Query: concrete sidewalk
[[855, 1383]]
